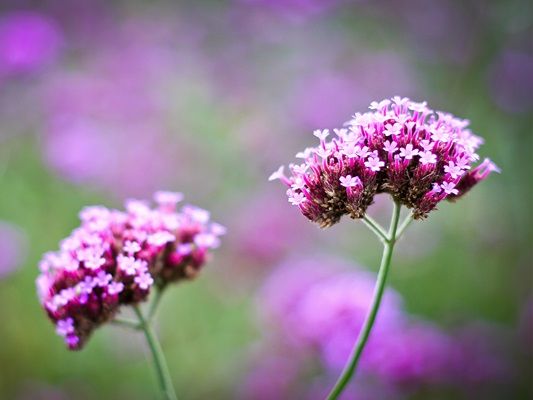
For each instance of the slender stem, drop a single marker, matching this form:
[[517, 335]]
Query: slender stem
[[126, 323], [161, 368], [388, 246], [403, 226], [155, 303], [375, 227]]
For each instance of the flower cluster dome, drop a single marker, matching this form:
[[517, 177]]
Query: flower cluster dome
[[418, 156], [115, 258]]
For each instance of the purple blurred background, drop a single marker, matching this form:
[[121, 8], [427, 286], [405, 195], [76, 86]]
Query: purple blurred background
[[102, 101]]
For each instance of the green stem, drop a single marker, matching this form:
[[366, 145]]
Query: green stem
[[388, 247], [126, 323], [155, 303], [375, 227], [161, 368], [403, 226]]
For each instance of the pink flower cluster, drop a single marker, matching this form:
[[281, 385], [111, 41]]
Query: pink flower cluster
[[115, 258], [401, 147]]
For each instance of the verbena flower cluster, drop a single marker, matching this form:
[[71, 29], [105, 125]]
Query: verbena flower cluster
[[115, 258], [401, 147]]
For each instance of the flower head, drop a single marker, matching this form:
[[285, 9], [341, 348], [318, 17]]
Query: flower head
[[403, 148], [115, 258]]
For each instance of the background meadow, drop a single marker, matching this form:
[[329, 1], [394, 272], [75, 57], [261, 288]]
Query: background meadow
[[106, 100]]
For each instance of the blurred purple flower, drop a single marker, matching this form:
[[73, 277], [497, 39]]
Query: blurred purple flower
[[283, 374], [321, 303], [29, 41], [295, 10], [272, 379], [479, 358], [328, 94], [415, 353], [277, 230], [120, 116], [13, 244], [358, 389], [511, 81], [429, 26], [280, 295], [316, 306], [331, 313], [106, 122]]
